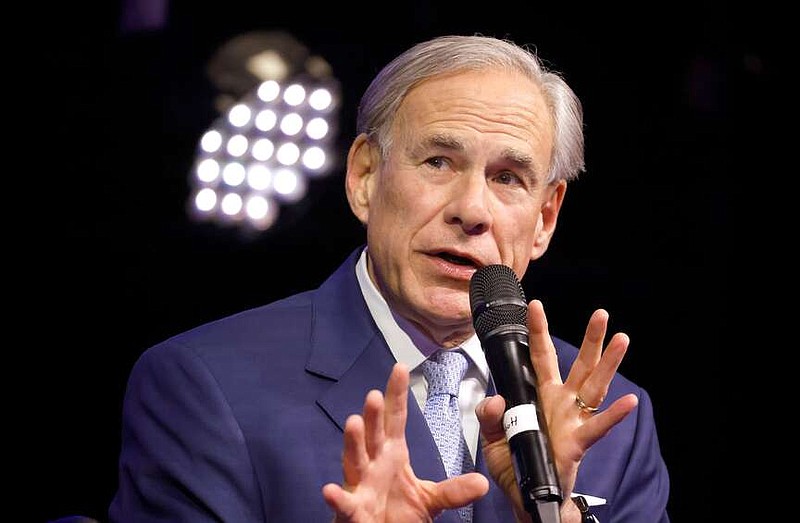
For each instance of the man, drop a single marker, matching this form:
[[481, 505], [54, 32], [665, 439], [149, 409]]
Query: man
[[464, 150]]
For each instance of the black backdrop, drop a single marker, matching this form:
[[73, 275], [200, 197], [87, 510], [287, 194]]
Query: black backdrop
[[646, 232]]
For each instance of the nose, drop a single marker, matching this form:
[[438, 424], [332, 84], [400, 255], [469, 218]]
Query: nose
[[469, 205]]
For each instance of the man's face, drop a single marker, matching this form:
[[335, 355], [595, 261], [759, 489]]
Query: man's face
[[463, 186]]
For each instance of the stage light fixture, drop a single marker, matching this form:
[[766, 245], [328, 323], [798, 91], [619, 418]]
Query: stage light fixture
[[275, 131]]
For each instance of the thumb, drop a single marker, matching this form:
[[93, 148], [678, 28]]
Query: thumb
[[490, 415], [458, 491]]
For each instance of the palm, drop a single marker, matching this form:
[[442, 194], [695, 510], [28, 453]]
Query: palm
[[379, 483], [572, 431]]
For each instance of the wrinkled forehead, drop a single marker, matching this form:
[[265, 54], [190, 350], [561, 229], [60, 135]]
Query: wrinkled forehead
[[478, 108]]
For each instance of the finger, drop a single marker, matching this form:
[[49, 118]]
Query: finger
[[593, 391], [543, 352], [342, 502], [591, 349], [373, 421], [457, 491], [598, 425], [354, 456], [490, 416], [396, 402]]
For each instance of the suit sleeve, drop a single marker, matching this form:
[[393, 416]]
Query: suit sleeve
[[183, 455], [645, 483]]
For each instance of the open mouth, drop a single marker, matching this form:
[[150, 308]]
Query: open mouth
[[458, 260]]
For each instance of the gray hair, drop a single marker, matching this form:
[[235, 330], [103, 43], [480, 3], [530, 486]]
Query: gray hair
[[448, 54]]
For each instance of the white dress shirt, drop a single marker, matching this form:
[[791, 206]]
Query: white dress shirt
[[411, 347]]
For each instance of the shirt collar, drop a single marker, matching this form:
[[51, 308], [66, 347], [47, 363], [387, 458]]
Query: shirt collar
[[408, 344]]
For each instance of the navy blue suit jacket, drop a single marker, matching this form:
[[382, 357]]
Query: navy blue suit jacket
[[240, 420]]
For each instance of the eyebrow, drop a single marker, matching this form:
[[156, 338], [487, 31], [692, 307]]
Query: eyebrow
[[449, 142], [524, 161], [443, 141]]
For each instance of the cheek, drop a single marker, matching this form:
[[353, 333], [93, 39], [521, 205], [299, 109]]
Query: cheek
[[392, 219], [516, 235], [406, 204]]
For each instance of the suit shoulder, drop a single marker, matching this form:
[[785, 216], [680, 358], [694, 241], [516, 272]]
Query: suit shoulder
[[266, 324]]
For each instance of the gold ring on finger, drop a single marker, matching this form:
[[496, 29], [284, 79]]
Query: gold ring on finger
[[583, 406]]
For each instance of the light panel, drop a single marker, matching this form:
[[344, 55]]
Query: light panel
[[264, 147]]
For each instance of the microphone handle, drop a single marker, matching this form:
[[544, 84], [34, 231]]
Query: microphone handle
[[509, 361]]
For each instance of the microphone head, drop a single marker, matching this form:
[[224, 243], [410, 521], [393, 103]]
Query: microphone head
[[497, 300]]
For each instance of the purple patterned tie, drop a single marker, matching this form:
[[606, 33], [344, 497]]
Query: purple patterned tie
[[444, 371]]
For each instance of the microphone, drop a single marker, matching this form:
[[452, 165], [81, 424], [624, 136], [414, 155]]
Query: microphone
[[500, 317]]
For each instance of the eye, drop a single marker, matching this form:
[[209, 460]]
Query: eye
[[508, 178], [437, 162]]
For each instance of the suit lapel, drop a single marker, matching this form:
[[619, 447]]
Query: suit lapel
[[349, 350], [370, 371]]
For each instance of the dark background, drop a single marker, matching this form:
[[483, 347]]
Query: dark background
[[646, 232]]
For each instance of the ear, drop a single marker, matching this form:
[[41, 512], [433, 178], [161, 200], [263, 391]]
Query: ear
[[548, 216], [362, 163]]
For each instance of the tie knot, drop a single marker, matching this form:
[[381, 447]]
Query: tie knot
[[444, 371]]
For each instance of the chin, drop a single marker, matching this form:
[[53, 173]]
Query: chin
[[449, 307]]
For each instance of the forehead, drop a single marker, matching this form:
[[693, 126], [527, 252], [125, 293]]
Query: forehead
[[475, 106]]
